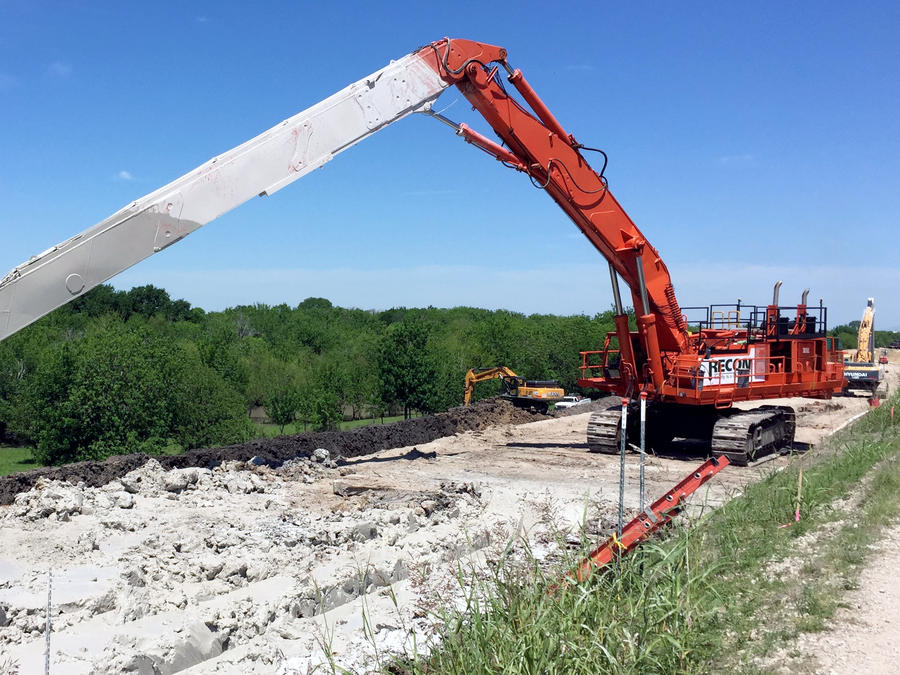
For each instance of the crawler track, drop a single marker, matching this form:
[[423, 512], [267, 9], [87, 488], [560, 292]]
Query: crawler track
[[747, 436], [742, 436], [603, 431]]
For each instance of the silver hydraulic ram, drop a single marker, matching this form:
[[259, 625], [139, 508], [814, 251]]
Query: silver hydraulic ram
[[261, 166]]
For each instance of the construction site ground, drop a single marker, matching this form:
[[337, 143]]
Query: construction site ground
[[237, 561]]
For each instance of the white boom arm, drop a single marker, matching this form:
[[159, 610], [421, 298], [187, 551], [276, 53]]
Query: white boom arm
[[261, 166]]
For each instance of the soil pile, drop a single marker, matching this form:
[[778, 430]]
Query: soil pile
[[275, 451]]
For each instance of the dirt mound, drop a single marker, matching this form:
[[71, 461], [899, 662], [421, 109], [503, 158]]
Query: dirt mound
[[595, 405], [275, 451]]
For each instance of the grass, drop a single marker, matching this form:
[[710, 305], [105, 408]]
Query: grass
[[813, 594], [821, 555], [705, 598], [635, 619], [14, 459], [272, 430]]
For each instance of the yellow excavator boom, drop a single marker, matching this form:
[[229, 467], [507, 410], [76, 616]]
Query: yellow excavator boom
[[476, 375], [865, 337]]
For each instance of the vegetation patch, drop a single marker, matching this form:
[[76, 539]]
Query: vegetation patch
[[118, 372], [711, 597], [14, 459]]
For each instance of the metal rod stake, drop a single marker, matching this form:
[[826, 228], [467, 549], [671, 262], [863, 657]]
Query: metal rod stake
[[643, 441], [622, 467], [47, 628]]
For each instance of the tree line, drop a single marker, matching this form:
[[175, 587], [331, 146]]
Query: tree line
[[848, 334], [127, 371]]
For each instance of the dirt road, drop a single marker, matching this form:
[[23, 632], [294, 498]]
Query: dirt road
[[244, 568], [864, 636]]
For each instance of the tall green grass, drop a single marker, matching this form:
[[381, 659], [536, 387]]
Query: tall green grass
[[641, 617]]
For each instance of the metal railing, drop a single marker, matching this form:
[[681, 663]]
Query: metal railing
[[757, 321], [609, 368]]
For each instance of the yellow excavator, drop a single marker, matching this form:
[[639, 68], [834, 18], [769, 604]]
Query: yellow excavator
[[860, 369], [536, 394]]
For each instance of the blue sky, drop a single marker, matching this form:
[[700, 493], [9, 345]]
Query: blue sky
[[749, 141]]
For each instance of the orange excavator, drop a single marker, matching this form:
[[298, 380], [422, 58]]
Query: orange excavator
[[536, 394], [691, 377], [691, 363]]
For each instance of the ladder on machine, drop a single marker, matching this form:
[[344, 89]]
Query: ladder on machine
[[652, 518]]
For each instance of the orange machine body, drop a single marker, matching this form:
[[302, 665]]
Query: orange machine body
[[729, 354]]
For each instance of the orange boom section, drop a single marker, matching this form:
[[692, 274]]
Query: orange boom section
[[538, 145]]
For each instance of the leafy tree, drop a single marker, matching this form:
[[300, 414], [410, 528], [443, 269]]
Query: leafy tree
[[220, 349], [326, 411], [147, 300], [408, 377], [315, 303], [120, 390], [100, 300], [847, 334], [119, 371], [100, 395], [282, 405], [883, 338], [205, 410]]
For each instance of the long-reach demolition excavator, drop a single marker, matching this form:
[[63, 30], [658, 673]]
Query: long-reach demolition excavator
[[537, 394], [691, 377]]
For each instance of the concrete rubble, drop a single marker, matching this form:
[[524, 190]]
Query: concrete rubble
[[221, 570]]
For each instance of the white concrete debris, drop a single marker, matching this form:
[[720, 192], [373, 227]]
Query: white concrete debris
[[242, 568]]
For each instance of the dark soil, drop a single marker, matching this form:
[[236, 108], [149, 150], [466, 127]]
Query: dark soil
[[275, 451]]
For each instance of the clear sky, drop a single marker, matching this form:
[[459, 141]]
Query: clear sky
[[749, 141]]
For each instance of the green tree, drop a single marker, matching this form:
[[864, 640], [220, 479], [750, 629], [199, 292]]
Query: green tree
[[122, 389], [100, 395], [407, 374], [326, 411], [206, 411], [282, 405], [847, 333]]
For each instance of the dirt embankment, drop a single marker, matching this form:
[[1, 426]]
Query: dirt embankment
[[274, 451]]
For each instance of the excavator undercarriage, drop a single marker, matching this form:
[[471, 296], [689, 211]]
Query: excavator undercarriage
[[744, 436]]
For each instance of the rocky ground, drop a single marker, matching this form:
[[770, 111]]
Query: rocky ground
[[305, 551]]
